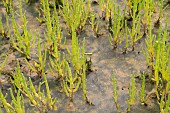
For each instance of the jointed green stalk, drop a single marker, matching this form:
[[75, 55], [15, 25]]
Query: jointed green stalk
[[7, 4], [21, 42], [75, 14], [8, 107], [167, 106], [142, 92], [18, 102], [115, 93], [43, 102], [3, 63], [39, 65], [2, 31], [71, 84], [132, 93], [116, 28]]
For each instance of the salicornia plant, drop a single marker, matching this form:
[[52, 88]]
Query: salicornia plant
[[132, 93], [149, 8], [22, 41], [16, 105], [7, 4], [2, 31], [115, 29], [78, 75], [39, 99], [115, 93], [3, 63], [39, 66], [142, 91], [71, 83], [157, 56], [58, 67], [53, 33], [150, 42], [94, 24], [167, 104], [162, 61], [75, 14], [134, 32]]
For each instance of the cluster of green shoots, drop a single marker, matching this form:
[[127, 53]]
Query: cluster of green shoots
[[78, 59], [157, 56], [68, 67], [7, 4], [138, 14], [4, 29], [3, 62], [157, 51], [38, 66], [164, 102], [115, 93], [75, 14], [133, 94], [38, 98], [22, 42]]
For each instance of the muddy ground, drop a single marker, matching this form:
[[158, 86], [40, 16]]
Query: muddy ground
[[105, 63]]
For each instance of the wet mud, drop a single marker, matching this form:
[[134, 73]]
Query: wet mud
[[105, 63]]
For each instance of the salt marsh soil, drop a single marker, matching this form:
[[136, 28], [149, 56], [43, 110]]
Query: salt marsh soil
[[105, 63]]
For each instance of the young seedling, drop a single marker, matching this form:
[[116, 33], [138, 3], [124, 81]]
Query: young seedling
[[157, 56], [77, 77], [115, 30], [165, 54], [17, 104], [92, 20], [57, 64], [126, 37], [142, 92], [133, 7], [76, 57], [132, 93], [106, 7], [94, 24], [3, 63], [115, 93]]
